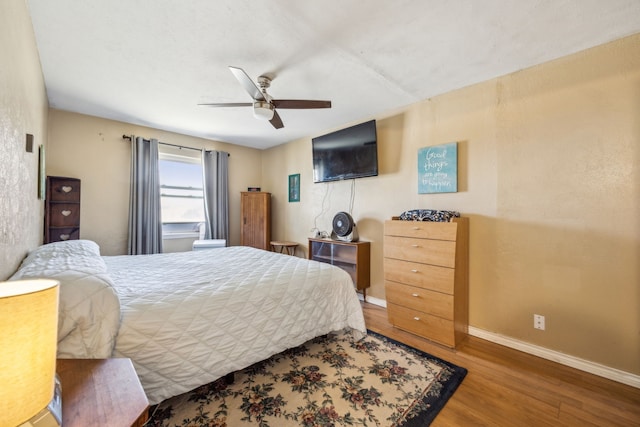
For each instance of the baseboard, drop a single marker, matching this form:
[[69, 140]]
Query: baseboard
[[374, 300], [555, 356]]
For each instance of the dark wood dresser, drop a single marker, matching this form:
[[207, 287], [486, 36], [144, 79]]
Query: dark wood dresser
[[62, 209]]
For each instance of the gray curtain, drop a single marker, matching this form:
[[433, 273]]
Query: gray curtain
[[215, 168], [145, 223]]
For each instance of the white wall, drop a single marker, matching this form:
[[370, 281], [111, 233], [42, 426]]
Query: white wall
[[549, 175], [23, 109], [93, 150]]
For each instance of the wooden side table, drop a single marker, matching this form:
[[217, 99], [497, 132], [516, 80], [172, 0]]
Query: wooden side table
[[352, 257], [101, 392], [284, 247]]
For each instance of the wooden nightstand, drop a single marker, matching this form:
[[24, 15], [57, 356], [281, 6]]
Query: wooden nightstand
[[352, 257], [101, 392]]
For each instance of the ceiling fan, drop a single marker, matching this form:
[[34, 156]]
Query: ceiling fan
[[264, 106]]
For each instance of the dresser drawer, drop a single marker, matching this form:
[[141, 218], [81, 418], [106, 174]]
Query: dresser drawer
[[419, 299], [422, 229], [434, 252], [425, 276], [62, 234], [64, 214], [425, 325], [64, 190]]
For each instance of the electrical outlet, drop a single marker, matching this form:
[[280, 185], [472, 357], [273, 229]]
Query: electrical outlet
[[538, 321]]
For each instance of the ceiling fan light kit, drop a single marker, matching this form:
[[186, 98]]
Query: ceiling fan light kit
[[263, 110], [264, 107]]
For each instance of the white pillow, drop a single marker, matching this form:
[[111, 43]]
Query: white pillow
[[89, 308], [59, 250]]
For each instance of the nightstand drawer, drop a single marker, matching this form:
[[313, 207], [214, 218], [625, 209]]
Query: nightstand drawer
[[434, 252], [429, 302], [425, 276], [425, 325]]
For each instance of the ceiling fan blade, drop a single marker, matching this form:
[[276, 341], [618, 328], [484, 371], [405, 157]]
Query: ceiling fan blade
[[228, 104], [252, 89], [300, 103], [276, 121]]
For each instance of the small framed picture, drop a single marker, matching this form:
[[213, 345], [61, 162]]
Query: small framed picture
[[42, 175], [294, 188]]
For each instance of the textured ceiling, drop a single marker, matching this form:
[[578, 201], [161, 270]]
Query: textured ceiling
[[150, 62]]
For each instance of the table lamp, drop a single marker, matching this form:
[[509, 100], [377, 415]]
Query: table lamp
[[29, 392]]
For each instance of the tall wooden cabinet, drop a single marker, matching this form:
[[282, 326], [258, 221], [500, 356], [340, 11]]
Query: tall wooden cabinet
[[255, 228], [62, 209], [426, 278]]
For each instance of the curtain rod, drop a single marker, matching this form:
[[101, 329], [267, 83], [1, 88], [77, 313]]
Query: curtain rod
[[171, 145]]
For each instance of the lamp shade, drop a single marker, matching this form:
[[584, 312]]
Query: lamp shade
[[28, 337]]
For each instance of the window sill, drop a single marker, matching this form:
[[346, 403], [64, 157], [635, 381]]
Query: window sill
[[171, 236]]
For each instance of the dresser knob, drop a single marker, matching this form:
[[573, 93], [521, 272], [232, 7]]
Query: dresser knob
[[66, 213], [416, 228], [414, 271], [415, 295], [415, 246], [416, 318]]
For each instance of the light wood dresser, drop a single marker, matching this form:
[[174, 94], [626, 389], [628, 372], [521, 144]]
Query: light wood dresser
[[426, 278]]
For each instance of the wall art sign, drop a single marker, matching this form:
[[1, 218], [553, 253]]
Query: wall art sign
[[438, 169], [294, 188]]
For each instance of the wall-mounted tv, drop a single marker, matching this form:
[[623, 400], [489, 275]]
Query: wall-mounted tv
[[346, 154]]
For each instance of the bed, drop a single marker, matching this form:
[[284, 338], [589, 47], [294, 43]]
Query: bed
[[186, 319]]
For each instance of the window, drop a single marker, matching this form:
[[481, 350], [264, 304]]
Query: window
[[181, 192]]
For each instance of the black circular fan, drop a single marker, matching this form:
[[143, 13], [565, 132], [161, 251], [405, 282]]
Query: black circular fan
[[342, 224]]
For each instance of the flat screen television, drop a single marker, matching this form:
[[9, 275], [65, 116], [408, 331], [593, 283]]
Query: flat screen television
[[346, 154]]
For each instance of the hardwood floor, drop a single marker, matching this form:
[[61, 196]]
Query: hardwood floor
[[505, 387]]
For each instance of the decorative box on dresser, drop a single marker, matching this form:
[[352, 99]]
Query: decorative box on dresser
[[426, 278], [62, 209], [255, 229]]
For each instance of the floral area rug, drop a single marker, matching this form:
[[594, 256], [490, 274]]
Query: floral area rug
[[329, 381]]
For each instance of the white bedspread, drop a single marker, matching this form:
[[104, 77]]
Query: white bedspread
[[190, 318]]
